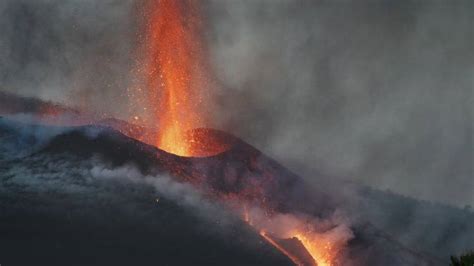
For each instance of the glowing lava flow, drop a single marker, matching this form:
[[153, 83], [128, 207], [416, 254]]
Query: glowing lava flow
[[322, 252], [172, 70]]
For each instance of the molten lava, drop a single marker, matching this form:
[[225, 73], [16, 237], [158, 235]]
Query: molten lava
[[320, 251], [323, 248], [173, 73]]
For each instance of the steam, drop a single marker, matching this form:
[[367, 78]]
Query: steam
[[181, 193]]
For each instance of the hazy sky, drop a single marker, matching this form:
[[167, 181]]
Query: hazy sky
[[372, 91]]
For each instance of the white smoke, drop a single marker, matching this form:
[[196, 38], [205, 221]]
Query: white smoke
[[181, 193]]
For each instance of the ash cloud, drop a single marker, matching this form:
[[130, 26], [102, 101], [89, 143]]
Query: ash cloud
[[74, 52], [371, 91]]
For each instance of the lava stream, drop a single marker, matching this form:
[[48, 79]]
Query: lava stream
[[322, 252]]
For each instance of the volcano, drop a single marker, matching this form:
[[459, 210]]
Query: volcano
[[86, 191]]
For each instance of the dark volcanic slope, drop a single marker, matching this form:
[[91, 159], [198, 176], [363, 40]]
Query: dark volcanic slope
[[64, 209]]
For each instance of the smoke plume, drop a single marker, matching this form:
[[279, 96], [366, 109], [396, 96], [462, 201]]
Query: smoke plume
[[378, 92]]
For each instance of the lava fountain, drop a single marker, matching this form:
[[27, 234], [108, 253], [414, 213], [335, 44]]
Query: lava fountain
[[172, 73]]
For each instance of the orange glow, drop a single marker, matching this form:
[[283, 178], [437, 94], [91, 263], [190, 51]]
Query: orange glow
[[172, 70], [319, 250], [322, 250]]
